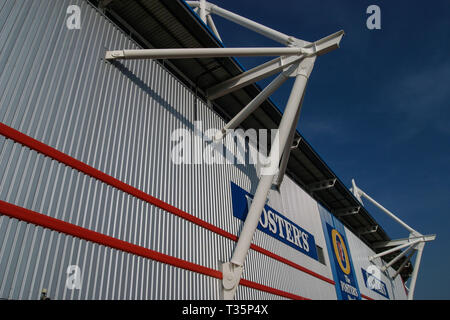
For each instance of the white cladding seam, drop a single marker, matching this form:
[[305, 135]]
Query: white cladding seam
[[118, 119]]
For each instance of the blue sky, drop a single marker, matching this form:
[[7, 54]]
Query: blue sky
[[377, 109]]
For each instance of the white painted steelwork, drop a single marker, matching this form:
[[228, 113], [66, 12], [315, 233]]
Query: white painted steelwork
[[416, 241], [118, 118]]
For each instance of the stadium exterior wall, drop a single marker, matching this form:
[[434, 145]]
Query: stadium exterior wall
[[65, 111]]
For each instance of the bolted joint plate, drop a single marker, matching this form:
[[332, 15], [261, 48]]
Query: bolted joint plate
[[117, 54], [231, 275], [295, 42], [305, 67]]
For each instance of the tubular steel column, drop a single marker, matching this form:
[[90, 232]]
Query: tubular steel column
[[256, 102], [298, 53], [416, 241], [412, 286], [287, 152], [232, 271]]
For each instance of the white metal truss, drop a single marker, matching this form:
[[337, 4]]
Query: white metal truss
[[296, 59], [234, 268], [206, 9], [414, 243]]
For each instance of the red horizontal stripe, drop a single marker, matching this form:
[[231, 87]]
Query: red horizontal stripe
[[277, 292], [48, 151], [39, 219], [290, 263], [89, 235], [97, 174], [366, 297]]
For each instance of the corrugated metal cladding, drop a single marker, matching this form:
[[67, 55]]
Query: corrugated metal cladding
[[118, 118], [360, 256]]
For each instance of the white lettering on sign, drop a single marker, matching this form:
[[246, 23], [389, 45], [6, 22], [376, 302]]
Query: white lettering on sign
[[347, 288], [277, 225]]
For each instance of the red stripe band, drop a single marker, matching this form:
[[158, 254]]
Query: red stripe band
[[39, 219], [291, 263], [48, 151]]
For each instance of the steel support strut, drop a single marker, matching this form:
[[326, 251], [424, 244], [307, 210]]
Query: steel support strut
[[213, 27], [381, 254], [256, 102], [253, 75], [247, 23], [393, 243], [415, 242], [398, 257], [287, 149], [412, 285], [233, 269], [295, 60], [187, 53], [403, 264], [203, 10], [393, 216]]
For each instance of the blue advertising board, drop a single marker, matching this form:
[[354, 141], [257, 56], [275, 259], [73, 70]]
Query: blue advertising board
[[344, 275], [374, 283], [274, 223]]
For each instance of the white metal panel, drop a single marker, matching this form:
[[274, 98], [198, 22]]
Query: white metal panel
[[360, 255]]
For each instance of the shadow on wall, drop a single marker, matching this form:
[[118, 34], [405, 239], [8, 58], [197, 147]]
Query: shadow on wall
[[247, 169]]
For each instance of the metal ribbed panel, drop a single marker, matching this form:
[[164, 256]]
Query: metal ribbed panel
[[118, 118], [360, 256], [107, 273]]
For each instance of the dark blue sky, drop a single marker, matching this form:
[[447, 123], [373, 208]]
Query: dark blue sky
[[377, 109]]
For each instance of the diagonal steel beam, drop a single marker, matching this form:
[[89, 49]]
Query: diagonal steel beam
[[232, 270], [402, 266], [256, 102], [288, 147], [188, 53], [397, 242], [253, 75], [213, 26], [247, 23], [415, 272], [398, 257], [269, 68], [381, 254]]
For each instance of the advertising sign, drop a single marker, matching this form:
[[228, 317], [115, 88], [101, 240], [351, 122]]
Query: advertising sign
[[274, 223]]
